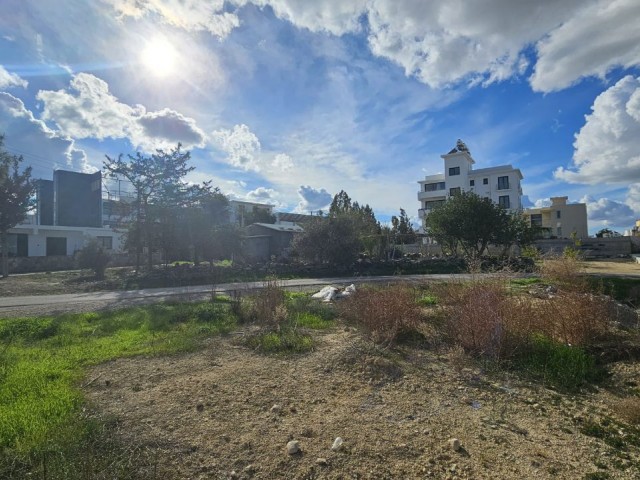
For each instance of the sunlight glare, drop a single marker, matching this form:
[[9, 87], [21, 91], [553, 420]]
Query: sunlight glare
[[159, 56]]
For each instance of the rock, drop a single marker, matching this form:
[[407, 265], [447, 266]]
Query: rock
[[293, 447], [200, 407], [249, 469], [337, 444], [276, 409], [454, 443], [322, 462]]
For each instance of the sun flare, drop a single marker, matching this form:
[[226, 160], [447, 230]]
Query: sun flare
[[159, 56]]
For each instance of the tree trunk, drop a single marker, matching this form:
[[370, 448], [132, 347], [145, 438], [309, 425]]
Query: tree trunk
[[4, 238]]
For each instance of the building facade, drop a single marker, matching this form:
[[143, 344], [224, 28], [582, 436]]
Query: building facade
[[68, 213], [501, 184], [560, 219]]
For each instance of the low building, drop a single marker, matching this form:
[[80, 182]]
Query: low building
[[263, 241], [68, 214], [560, 219], [501, 183], [241, 212]]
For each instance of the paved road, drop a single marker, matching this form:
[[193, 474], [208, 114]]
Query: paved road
[[77, 302]]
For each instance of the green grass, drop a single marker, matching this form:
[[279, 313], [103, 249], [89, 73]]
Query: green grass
[[557, 364], [622, 289], [428, 301], [285, 342], [312, 321], [43, 360], [523, 282]]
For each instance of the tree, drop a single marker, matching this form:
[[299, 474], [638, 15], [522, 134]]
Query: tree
[[470, 223], [332, 240], [16, 190], [160, 189], [92, 256], [259, 215], [401, 229]]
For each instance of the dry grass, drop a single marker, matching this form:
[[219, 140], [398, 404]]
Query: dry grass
[[386, 313], [566, 272], [628, 409]]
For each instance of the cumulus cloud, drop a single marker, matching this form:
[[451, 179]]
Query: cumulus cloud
[[42, 148], [542, 202], [240, 144], [264, 195], [607, 148], [633, 198], [193, 15], [597, 38], [608, 212], [8, 79], [283, 162], [88, 110], [312, 199], [443, 43]]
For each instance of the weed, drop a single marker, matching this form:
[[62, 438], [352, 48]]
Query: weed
[[386, 313], [428, 301], [311, 320], [561, 365], [285, 342], [597, 476]]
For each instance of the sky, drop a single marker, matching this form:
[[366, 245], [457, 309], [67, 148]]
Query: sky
[[288, 102]]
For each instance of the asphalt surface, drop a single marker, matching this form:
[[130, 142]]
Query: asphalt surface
[[77, 302]]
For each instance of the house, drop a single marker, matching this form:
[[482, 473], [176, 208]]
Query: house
[[560, 219], [68, 212], [501, 183], [263, 241]]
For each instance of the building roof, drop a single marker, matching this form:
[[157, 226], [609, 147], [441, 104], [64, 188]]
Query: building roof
[[281, 227]]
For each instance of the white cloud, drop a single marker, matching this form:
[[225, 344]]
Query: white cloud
[[192, 15], [608, 212], [89, 110], [264, 195], [607, 148], [8, 79], [633, 198], [41, 147], [542, 202], [241, 146], [312, 199], [597, 38], [283, 162]]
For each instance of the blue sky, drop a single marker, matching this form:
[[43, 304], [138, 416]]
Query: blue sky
[[288, 102]]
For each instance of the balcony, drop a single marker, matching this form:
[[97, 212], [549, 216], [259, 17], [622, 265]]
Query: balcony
[[436, 195]]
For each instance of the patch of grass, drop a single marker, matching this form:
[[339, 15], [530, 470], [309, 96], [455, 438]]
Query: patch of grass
[[597, 476], [626, 290], [285, 342], [524, 282], [311, 320], [42, 361], [614, 434], [428, 300], [560, 365]]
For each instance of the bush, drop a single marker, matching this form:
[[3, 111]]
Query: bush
[[92, 256], [287, 341], [386, 313]]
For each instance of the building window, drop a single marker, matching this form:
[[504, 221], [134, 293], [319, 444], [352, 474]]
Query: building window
[[503, 183], [557, 213], [485, 181], [472, 183], [536, 220], [432, 187], [105, 242], [504, 202], [428, 206], [454, 191], [56, 246], [454, 171]]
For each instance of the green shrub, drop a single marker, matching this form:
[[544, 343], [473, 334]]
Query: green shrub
[[558, 364], [92, 256]]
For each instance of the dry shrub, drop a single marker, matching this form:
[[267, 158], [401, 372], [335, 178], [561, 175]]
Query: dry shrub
[[484, 320], [628, 409], [386, 313], [564, 271], [266, 306], [573, 318]]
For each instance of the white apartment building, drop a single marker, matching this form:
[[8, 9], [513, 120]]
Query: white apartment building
[[501, 184]]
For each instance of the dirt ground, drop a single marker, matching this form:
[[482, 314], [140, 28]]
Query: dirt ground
[[229, 412], [625, 267]]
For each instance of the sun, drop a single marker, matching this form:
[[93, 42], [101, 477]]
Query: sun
[[160, 56]]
